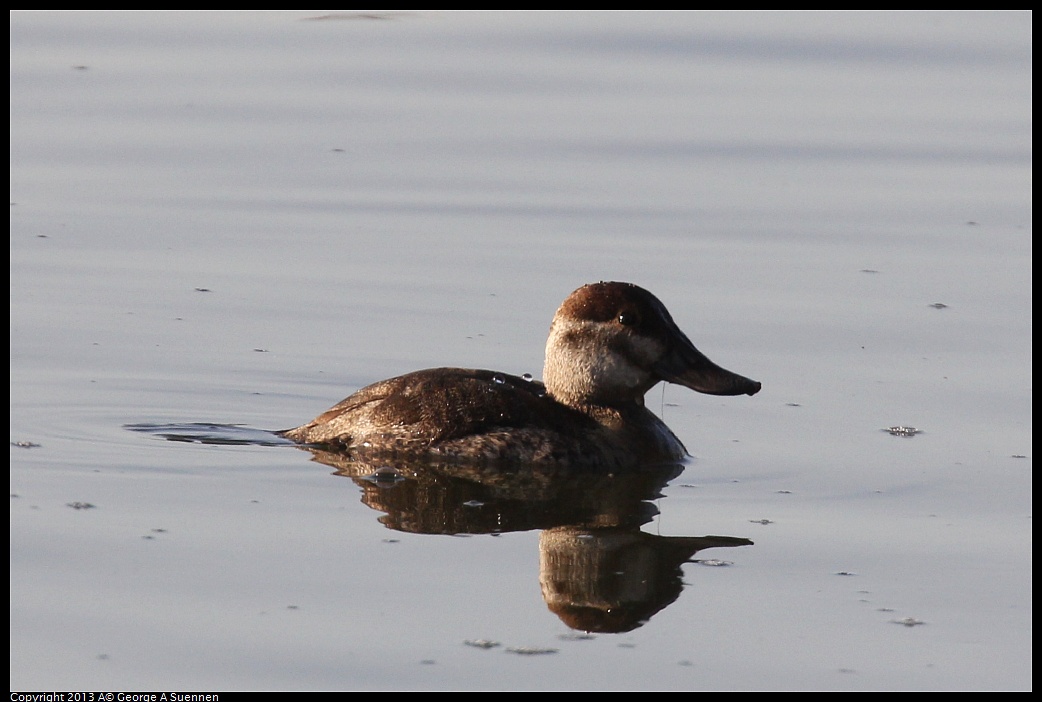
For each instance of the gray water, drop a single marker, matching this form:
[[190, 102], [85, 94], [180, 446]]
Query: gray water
[[239, 218]]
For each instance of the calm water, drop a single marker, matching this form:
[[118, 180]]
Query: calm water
[[239, 218]]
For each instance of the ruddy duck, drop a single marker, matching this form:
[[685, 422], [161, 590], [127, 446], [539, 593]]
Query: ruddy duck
[[609, 344]]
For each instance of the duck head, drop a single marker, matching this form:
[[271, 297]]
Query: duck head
[[610, 343]]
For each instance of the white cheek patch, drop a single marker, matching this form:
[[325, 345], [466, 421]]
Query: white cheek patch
[[592, 355]]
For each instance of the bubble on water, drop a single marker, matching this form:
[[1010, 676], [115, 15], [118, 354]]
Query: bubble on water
[[903, 431], [481, 643]]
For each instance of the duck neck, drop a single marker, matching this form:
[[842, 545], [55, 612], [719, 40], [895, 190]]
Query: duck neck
[[575, 379]]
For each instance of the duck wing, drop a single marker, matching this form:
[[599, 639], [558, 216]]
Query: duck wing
[[431, 406]]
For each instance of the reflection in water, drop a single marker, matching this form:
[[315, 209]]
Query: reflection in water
[[451, 498], [597, 569], [209, 433], [614, 580]]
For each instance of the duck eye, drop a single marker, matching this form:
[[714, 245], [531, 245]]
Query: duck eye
[[627, 319]]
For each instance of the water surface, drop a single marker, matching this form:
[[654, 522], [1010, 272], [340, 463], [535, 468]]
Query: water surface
[[237, 218]]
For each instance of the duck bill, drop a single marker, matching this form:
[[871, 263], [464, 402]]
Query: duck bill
[[685, 365]]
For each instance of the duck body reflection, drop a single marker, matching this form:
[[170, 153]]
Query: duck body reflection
[[599, 572], [609, 343]]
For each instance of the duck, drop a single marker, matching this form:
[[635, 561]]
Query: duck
[[609, 344]]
